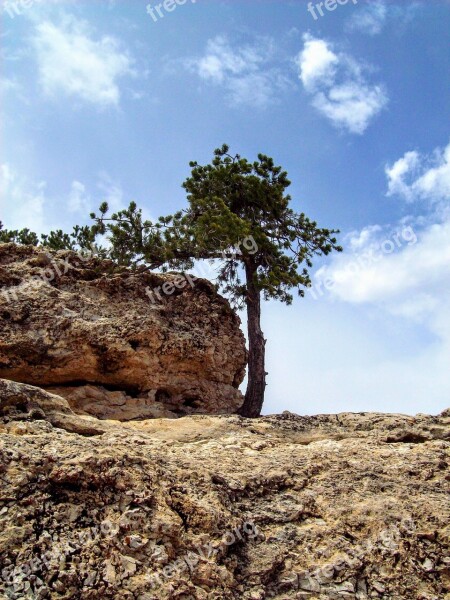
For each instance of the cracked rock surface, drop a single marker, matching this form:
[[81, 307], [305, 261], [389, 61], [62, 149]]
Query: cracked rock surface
[[218, 507]]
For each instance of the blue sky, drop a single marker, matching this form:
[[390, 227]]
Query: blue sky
[[101, 101]]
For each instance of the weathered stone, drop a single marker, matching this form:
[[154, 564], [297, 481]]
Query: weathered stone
[[166, 509], [22, 404], [89, 331]]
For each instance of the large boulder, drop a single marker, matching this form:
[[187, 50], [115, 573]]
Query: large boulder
[[116, 343]]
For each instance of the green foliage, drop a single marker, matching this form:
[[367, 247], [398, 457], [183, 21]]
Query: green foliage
[[81, 239], [57, 240], [230, 200], [24, 236], [251, 200]]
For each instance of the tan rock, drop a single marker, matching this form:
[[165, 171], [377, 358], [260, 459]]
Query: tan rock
[[336, 506], [89, 331]]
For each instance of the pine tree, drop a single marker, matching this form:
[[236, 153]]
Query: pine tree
[[240, 215]]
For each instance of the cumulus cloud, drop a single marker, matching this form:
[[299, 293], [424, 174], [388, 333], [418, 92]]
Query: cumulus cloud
[[244, 72], [317, 64], [393, 282], [71, 62], [421, 177], [339, 87], [383, 304], [392, 267], [404, 270]]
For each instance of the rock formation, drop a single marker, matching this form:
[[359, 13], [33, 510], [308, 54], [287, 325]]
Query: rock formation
[[219, 507], [117, 344], [199, 507]]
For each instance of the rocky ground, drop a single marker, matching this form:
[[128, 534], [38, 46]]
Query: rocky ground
[[203, 507]]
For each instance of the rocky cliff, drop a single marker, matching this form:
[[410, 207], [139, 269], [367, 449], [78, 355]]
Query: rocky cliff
[[116, 343], [212, 508]]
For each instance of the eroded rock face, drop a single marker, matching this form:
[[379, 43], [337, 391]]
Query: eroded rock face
[[206, 508], [93, 334]]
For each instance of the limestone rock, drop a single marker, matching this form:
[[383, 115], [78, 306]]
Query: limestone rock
[[90, 332], [218, 507], [21, 404]]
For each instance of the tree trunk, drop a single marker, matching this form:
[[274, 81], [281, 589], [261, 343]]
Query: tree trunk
[[254, 396]]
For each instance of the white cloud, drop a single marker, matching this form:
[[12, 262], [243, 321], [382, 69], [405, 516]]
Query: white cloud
[[383, 304], [370, 18], [357, 241], [221, 60], [72, 63], [395, 281], [244, 72], [317, 64], [419, 177], [22, 203], [351, 105], [8, 85], [403, 270], [398, 171], [339, 88], [394, 268]]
